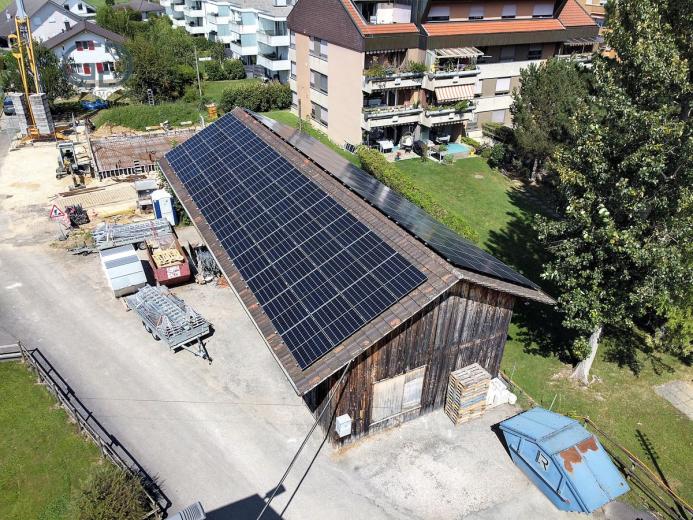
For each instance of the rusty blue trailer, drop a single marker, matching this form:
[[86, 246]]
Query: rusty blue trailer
[[564, 460]]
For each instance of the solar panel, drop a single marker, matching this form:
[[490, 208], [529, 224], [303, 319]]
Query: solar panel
[[455, 249], [318, 273]]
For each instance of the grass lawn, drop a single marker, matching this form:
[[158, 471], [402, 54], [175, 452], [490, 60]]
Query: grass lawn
[[140, 116], [620, 402], [214, 89], [286, 117], [42, 458]]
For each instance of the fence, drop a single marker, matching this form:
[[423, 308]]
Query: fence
[[88, 424]]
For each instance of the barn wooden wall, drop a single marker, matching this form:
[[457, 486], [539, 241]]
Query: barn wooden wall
[[467, 324]]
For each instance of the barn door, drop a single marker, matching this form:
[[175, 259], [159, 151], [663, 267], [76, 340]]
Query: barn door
[[397, 395]]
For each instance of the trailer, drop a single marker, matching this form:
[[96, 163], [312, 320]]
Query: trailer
[[169, 319]]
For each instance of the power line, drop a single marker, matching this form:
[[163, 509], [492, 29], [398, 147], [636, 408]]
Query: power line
[[305, 441]]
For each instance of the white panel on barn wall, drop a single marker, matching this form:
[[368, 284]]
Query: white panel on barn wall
[[413, 388], [387, 398]]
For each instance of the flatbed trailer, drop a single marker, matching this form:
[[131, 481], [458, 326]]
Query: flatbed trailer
[[169, 319]]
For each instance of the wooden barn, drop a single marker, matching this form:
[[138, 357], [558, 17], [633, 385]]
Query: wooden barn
[[366, 302]]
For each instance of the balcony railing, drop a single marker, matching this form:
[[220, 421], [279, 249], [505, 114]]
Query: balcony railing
[[383, 111]]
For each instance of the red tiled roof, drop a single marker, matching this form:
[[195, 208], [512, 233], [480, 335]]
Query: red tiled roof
[[573, 14], [486, 27], [368, 29]]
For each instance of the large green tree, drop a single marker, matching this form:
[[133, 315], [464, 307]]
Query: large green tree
[[543, 108], [622, 249], [54, 78]]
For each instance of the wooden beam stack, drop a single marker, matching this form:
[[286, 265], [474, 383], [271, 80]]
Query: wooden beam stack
[[467, 389]]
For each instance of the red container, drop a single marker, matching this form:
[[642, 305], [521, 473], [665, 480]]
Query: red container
[[171, 274]]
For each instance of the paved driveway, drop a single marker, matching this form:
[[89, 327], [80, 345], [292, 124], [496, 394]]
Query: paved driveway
[[224, 433]]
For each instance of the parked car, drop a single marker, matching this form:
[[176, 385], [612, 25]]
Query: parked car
[[7, 107], [97, 104]]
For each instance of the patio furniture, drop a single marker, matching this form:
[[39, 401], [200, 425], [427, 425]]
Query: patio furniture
[[443, 139], [386, 146], [406, 142]]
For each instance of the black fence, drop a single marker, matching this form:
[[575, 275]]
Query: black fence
[[90, 426]]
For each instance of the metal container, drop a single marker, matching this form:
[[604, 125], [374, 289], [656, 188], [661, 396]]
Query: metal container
[[123, 270], [172, 274], [564, 460]]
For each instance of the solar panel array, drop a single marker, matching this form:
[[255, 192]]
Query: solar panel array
[[444, 241], [318, 273]]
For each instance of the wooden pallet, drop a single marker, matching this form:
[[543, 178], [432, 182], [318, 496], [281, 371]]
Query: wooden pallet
[[466, 396]]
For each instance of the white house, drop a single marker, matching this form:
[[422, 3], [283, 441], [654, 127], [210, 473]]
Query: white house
[[91, 53], [48, 18], [80, 8]]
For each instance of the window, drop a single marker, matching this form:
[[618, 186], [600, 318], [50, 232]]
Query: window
[[439, 14], [397, 395], [318, 81], [108, 66], [534, 52], [84, 45], [67, 25], [292, 39], [476, 12], [318, 113], [542, 11], [477, 88], [293, 70], [86, 68], [99, 68], [507, 53], [318, 48], [509, 11], [498, 116], [502, 85], [78, 45], [294, 99], [80, 7]]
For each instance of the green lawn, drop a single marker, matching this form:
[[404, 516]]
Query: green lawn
[[286, 117], [214, 89], [139, 117], [42, 457], [620, 401]]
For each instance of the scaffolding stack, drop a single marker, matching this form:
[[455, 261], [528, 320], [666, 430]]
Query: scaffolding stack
[[109, 235], [19, 120], [42, 114], [467, 389], [170, 319]]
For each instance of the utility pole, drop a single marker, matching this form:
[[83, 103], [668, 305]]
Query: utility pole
[[197, 70]]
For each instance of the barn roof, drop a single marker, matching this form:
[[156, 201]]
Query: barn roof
[[202, 172]]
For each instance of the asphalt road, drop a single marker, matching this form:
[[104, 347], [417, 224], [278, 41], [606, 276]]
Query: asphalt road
[[224, 433]]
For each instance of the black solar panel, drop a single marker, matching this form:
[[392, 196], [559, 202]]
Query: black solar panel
[[318, 273], [444, 241]]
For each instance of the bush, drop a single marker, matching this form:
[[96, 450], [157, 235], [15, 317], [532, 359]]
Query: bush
[[214, 71], [461, 106], [497, 155], [258, 97], [498, 132], [111, 494], [234, 69], [485, 152], [471, 142], [375, 71], [417, 66], [375, 163]]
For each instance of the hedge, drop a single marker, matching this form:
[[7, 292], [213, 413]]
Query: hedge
[[375, 163], [260, 97]]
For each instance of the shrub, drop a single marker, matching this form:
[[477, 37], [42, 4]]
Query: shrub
[[486, 152], [258, 97], [471, 142], [416, 66], [111, 494], [375, 71], [375, 163], [498, 132], [461, 106], [215, 72], [497, 155], [234, 69]]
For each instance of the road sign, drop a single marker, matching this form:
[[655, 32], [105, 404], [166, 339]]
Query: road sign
[[56, 213]]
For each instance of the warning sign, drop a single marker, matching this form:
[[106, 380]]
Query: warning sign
[[56, 213]]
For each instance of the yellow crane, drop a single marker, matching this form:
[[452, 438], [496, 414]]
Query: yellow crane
[[22, 46]]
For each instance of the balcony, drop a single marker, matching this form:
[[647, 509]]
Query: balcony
[[393, 80], [165, 3], [445, 78], [193, 12], [273, 62], [433, 116], [215, 20], [236, 26], [178, 8], [196, 29], [178, 22], [374, 117], [273, 40], [241, 50]]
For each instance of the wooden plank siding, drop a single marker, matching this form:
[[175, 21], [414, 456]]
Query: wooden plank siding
[[467, 324]]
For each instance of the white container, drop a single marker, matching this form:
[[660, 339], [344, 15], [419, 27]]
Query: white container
[[343, 425], [163, 206]]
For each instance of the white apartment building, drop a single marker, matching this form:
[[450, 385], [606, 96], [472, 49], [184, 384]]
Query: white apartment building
[[254, 31]]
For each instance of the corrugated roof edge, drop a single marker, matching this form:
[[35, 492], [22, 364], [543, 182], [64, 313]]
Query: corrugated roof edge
[[291, 136]]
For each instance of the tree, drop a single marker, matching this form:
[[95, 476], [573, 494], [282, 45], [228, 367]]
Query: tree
[[111, 494], [234, 69], [214, 71], [121, 21], [543, 107], [621, 250], [54, 78]]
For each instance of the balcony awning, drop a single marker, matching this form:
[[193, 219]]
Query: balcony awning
[[455, 93], [459, 52], [579, 42]]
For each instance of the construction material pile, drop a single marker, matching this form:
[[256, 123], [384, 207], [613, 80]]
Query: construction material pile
[[467, 389], [207, 268], [109, 235], [167, 257], [169, 317], [77, 214]]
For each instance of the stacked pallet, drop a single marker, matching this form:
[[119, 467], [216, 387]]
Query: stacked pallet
[[467, 389]]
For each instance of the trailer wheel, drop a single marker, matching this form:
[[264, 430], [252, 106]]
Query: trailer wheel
[[155, 336], [142, 246], [146, 327]]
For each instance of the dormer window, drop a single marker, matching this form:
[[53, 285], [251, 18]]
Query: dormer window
[[509, 11], [476, 12], [439, 14], [542, 11]]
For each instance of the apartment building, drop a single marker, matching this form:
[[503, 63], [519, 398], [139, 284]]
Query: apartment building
[[254, 31], [369, 72]]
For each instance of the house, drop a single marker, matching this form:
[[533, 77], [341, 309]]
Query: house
[[144, 8], [364, 300], [253, 31], [369, 71], [91, 53], [47, 18], [80, 8]]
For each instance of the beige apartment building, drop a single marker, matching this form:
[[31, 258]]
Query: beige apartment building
[[374, 72]]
